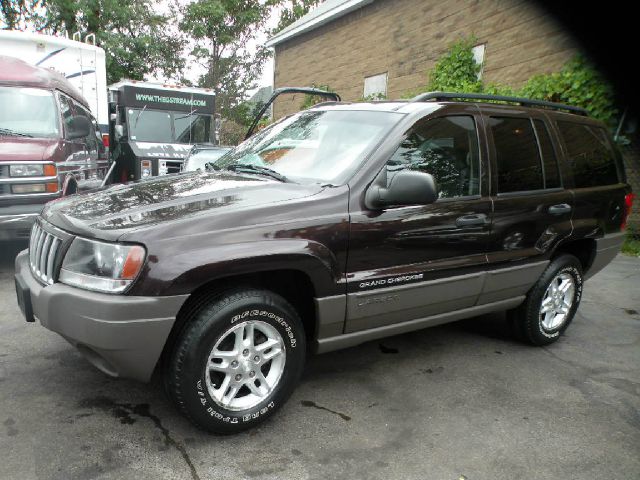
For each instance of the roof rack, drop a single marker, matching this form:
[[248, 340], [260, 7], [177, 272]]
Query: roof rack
[[527, 102]]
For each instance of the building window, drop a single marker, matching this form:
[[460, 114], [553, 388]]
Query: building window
[[375, 87], [478, 56]]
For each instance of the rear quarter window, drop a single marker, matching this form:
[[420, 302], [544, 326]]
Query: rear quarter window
[[590, 155]]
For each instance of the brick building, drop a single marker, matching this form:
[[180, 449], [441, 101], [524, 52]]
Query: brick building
[[364, 47]]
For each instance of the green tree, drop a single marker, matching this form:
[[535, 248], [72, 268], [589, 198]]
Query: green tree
[[14, 14], [292, 10], [137, 40], [220, 31]]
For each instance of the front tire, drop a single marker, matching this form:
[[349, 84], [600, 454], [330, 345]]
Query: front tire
[[237, 360], [551, 303]]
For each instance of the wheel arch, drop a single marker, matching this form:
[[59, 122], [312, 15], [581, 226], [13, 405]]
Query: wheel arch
[[294, 285], [583, 249]]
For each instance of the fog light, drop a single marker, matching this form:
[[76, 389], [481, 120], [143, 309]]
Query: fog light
[[28, 188]]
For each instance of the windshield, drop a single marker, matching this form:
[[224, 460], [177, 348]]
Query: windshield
[[193, 128], [168, 127], [323, 146], [198, 159], [28, 112]]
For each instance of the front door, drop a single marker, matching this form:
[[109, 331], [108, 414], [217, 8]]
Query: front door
[[411, 262]]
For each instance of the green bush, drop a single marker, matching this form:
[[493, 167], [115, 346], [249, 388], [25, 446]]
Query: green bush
[[578, 83], [310, 100], [456, 70]]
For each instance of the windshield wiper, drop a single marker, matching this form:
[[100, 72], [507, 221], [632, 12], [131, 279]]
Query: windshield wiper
[[135, 124], [7, 131], [249, 168]]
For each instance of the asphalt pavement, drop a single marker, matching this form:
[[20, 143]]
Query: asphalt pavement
[[462, 400]]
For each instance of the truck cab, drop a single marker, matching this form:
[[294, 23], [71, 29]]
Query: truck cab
[[153, 127], [50, 144]]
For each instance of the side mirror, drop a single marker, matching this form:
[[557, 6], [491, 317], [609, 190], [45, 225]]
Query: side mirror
[[119, 131], [406, 187], [79, 126]]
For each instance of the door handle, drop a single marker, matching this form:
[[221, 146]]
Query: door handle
[[559, 209], [471, 220]]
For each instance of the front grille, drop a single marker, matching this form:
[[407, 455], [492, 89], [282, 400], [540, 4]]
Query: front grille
[[174, 166], [43, 253]]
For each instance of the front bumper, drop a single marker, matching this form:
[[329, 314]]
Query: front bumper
[[121, 335], [16, 220]]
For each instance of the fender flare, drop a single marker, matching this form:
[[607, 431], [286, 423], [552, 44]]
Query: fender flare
[[216, 263]]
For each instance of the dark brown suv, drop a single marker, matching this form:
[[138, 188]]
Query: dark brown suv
[[334, 226]]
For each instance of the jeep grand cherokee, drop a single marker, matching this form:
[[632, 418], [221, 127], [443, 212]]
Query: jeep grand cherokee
[[334, 226]]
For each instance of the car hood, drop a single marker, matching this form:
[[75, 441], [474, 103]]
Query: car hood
[[23, 149], [110, 212]]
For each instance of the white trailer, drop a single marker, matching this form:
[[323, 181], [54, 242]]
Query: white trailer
[[81, 62]]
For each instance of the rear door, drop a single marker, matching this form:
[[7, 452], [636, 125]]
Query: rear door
[[532, 207], [597, 178]]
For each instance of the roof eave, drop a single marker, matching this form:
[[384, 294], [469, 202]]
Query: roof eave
[[315, 22]]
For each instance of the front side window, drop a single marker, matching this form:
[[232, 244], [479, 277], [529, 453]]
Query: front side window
[[517, 155], [590, 155], [314, 145], [28, 112], [446, 148], [192, 128]]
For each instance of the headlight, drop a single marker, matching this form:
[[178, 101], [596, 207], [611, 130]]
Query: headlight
[[102, 267], [32, 170]]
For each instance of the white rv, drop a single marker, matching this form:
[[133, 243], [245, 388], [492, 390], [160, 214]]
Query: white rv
[[81, 62]]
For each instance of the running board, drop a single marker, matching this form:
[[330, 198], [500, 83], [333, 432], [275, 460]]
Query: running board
[[346, 340]]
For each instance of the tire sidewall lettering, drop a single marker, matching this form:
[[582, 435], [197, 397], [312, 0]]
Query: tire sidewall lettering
[[206, 403], [261, 314], [226, 418]]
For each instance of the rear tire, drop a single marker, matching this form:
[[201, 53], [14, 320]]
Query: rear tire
[[551, 303], [237, 360]]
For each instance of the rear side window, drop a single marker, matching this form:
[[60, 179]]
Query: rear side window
[[590, 155], [517, 155]]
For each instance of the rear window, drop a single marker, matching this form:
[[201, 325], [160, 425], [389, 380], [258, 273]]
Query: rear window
[[590, 155]]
